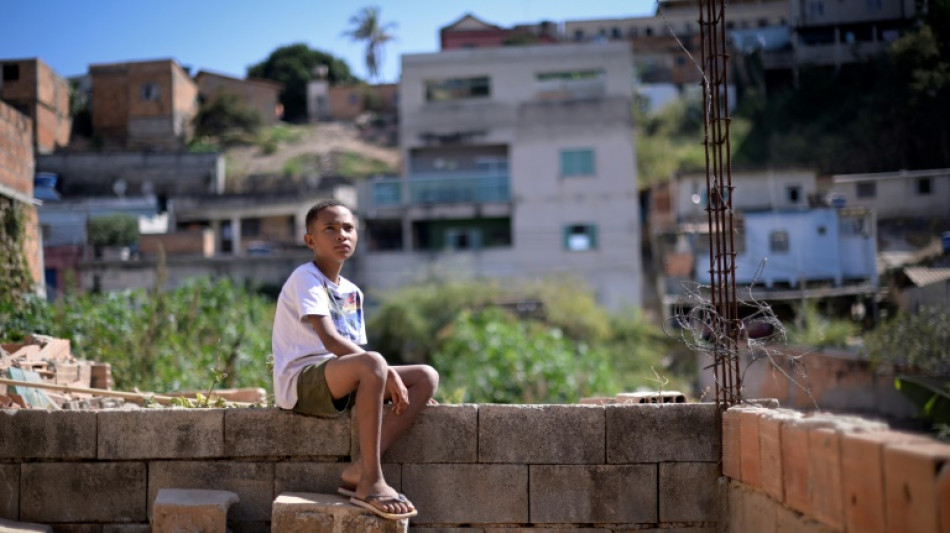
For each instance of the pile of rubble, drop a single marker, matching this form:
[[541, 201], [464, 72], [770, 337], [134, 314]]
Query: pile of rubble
[[41, 373], [48, 362]]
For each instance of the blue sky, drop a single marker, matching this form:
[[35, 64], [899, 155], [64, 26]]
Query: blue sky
[[228, 36]]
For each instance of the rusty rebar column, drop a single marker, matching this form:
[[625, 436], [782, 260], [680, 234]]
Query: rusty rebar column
[[725, 324]]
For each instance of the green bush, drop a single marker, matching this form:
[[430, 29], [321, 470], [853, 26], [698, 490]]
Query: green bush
[[916, 342], [225, 117], [495, 359], [813, 329], [163, 341], [113, 230], [460, 326]]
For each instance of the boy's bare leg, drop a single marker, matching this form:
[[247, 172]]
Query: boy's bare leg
[[366, 372], [421, 382]]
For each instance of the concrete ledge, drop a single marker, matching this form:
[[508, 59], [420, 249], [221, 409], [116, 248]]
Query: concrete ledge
[[441, 434], [503, 431], [82, 492], [651, 433], [180, 510], [593, 494], [161, 434], [9, 526], [467, 494], [252, 482], [42, 434], [278, 432], [325, 513]]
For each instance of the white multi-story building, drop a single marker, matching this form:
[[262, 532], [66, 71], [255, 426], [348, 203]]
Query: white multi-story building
[[518, 163]]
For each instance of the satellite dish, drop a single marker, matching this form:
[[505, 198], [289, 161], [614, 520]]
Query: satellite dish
[[119, 187]]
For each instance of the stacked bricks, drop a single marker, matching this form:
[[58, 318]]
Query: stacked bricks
[[825, 473], [481, 468]]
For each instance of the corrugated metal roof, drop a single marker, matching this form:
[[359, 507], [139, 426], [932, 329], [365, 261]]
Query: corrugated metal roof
[[923, 276]]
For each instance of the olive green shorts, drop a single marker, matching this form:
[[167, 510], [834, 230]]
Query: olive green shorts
[[313, 394]]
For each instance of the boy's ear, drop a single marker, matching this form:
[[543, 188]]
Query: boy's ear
[[308, 240]]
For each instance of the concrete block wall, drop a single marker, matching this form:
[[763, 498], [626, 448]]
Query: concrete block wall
[[834, 474], [482, 468]]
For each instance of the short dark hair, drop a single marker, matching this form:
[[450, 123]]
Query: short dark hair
[[320, 206]]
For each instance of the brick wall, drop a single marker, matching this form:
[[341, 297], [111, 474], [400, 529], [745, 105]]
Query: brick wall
[[260, 95], [348, 101], [470, 467], [16, 173], [184, 242], [825, 473], [43, 95]]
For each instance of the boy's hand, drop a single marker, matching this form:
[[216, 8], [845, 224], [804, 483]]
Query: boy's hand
[[397, 392]]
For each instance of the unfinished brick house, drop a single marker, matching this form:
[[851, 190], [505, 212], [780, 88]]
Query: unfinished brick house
[[348, 101], [145, 105], [16, 180], [260, 95], [34, 89]]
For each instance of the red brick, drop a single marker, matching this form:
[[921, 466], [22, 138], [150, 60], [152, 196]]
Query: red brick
[[910, 486], [862, 478], [730, 444], [943, 496], [749, 447], [824, 447], [770, 452]]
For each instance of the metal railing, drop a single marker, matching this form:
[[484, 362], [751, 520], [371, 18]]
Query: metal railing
[[455, 188]]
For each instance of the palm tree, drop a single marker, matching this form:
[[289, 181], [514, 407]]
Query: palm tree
[[365, 26]]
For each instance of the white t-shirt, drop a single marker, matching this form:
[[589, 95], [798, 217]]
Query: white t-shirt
[[295, 344]]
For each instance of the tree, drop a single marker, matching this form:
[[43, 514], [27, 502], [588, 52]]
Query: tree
[[366, 27], [113, 230], [293, 66]]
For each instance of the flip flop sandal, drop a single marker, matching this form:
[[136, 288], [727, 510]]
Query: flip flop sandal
[[349, 492], [367, 504]]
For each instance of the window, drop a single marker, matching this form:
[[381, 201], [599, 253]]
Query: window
[[580, 237], [150, 91], [866, 189], [794, 194], [778, 242], [577, 162], [648, 32], [924, 186], [874, 5], [816, 9], [763, 23], [463, 238], [457, 89], [615, 33], [11, 72], [578, 35]]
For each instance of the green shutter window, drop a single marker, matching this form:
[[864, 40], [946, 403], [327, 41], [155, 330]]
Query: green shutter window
[[577, 162]]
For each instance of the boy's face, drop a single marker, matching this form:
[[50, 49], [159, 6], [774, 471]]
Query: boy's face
[[332, 236]]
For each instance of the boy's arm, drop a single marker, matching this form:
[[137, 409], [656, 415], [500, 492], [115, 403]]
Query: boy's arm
[[332, 340]]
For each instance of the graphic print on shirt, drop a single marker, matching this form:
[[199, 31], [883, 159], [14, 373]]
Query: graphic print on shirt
[[346, 313]]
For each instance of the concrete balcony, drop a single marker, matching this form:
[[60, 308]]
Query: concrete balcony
[[441, 188]]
